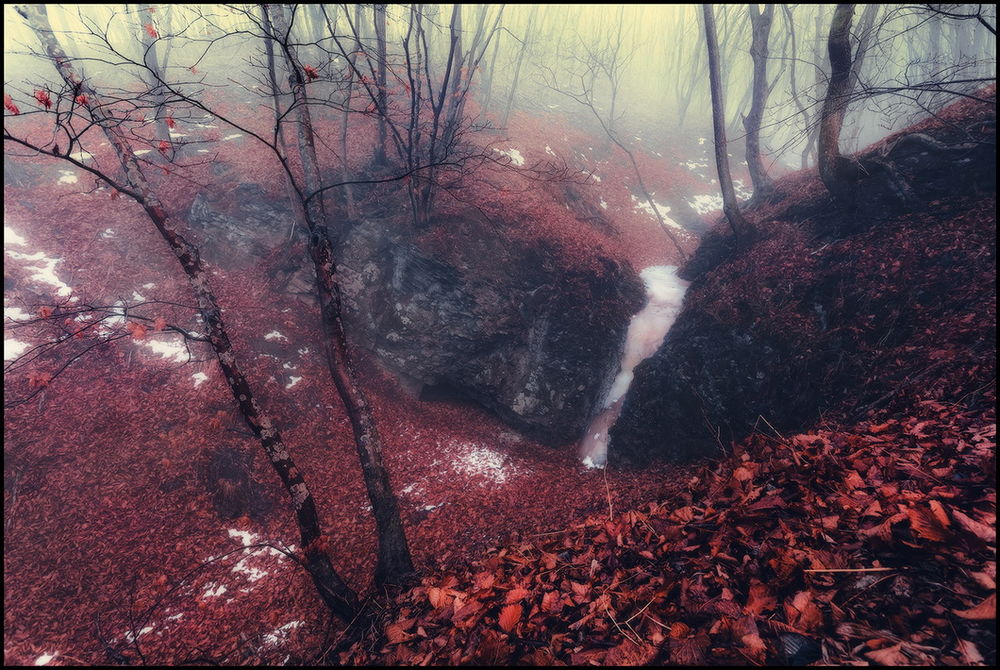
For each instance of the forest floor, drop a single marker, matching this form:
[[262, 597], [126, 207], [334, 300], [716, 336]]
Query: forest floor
[[870, 541]]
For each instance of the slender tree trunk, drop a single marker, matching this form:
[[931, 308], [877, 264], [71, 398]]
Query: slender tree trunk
[[394, 564], [741, 229], [761, 27], [381, 83], [517, 67], [335, 593], [832, 170], [150, 58]]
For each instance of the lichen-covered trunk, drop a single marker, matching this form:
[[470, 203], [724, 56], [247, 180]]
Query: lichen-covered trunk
[[332, 589], [394, 564], [832, 170]]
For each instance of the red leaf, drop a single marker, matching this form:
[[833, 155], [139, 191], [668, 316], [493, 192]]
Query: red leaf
[[150, 30], [159, 323], [164, 147], [170, 122], [311, 72], [509, 616], [43, 98], [9, 105], [137, 330], [983, 611], [82, 100]]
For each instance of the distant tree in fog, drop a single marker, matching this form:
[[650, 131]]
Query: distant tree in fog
[[741, 229], [760, 23]]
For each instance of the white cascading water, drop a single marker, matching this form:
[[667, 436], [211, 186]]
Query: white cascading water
[[665, 294]]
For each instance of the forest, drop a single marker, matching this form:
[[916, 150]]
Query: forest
[[417, 334]]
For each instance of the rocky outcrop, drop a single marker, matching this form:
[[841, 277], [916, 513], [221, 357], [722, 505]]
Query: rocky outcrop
[[836, 307], [495, 321]]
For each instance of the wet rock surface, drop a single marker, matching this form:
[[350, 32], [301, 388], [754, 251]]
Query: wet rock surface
[[498, 321]]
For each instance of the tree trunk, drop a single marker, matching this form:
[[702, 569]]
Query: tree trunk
[[517, 67], [832, 170], [741, 229], [394, 564], [381, 83], [761, 27], [334, 592]]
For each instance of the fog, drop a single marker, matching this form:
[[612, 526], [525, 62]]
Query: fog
[[640, 68]]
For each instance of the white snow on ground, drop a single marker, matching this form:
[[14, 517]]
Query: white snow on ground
[[45, 271], [213, 590], [10, 236], [243, 566], [45, 658], [149, 285], [280, 635], [274, 335], [703, 204], [140, 152], [15, 314], [472, 459], [549, 151], [694, 166], [13, 348], [172, 350], [199, 378], [232, 137], [741, 190], [603, 204], [595, 178], [293, 381], [108, 233], [131, 637], [68, 177], [176, 134], [138, 297], [81, 155], [644, 206], [701, 140], [515, 156]]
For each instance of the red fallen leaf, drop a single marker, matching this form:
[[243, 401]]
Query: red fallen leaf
[[138, 331], [44, 312], [43, 98], [984, 611], [551, 602], [803, 613], [39, 379], [9, 105], [760, 598], [159, 323], [926, 525], [509, 616], [436, 597], [980, 530], [516, 595], [150, 30], [115, 195], [889, 656]]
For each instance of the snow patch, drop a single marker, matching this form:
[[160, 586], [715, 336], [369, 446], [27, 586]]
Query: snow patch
[[172, 350], [644, 206], [141, 152], [44, 272], [10, 236], [68, 177], [515, 156], [280, 635], [478, 460], [199, 378], [293, 381], [45, 658], [232, 137], [213, 590], [274, 335], [703, 204]]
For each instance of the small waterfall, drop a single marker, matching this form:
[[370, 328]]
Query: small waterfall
[[665, 295]]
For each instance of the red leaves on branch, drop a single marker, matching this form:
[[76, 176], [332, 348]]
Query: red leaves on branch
[[164, 147], [150, 30], [311, 72], [137, 330], [193, 69], [171, 123], [8, 104], [43, 98], [159, 323], [82, 100], [45, 312]]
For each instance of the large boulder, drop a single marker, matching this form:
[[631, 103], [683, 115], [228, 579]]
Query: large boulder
[[466, 310]]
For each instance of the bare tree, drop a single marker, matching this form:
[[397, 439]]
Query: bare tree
[[339, 598], [832, 166], [760, 22], [730, 206]]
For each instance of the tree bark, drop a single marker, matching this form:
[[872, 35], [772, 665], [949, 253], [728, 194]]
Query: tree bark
[[730, 206], [332, 589], [394, 565], [832, 170], [761, 28], [381, 83]]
